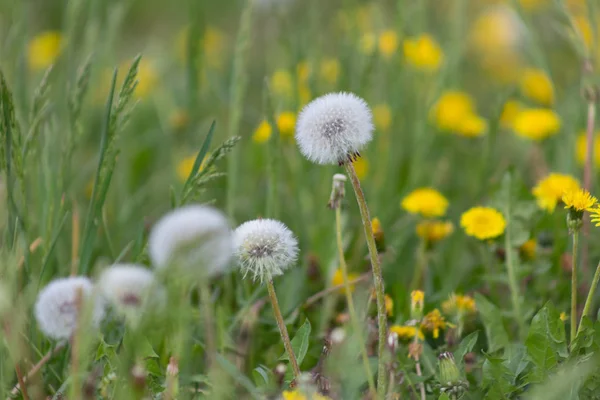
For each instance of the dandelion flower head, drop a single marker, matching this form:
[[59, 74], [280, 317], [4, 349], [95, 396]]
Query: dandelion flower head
[[434, 322], [537, 86], [433, 231], [483, 223], [579, 200], [549, 191], [423, 52], [536, 123], [459, 304], [425, 201], [407, 332], [43, 49]]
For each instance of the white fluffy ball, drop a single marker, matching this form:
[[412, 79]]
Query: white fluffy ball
[[56, 309], [196, 237], [333, 128], [265, 248]]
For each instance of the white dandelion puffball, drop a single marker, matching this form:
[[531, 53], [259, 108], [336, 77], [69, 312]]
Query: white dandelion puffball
[[198, 237], [56, 308], [265, 248], [128, 287], [334, 128]]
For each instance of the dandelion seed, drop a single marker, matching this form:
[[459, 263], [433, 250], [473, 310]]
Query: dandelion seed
[[548, 191], [483, 223], [195, 237], [265, 248], [425, 201], [56, 310], [333, 128]]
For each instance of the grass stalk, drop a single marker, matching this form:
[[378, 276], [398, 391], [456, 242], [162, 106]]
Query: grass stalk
[[574, 285], [590, 296]]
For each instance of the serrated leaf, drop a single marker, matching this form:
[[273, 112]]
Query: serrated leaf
[[492, 320], [300, 343]]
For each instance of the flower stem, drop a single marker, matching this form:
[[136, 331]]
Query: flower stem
[[348, 292], [574, 285], [590, 296], [282, 329], [421, 267], [377, 276], [588, 172], [207, 311]]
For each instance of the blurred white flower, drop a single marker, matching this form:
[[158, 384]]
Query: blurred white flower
[[196, 237], [56, 309], [333, 128], [265, 248]]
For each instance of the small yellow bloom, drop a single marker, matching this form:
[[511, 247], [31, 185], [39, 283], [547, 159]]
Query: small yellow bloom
[[185, 166], [472, 126], [43, 49], [330, 70], [389, 305], [388, 43], [528, 249], [361, 166], [495, 33], [459, 304], [579, 200], [282, 83], [425, 201], [536, 123], [262, 132], [417, 299], [382, 116], [407, 332], [367, 42], [433, 231], [179, 119], [338, 278], [376, 224], [451, 109], [509, 113], [298, 395], [147, 78], [563, 316], [537, 86], [286, 123], [434, 322], [581, 149], [483, 222], [423, 52], [548, 192]]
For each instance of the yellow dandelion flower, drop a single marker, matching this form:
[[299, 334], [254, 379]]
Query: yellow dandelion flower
[[459, 304], [528, 249], [563, 316], [286, 123], [423, 52], [376, 224], [361, 166], [537, 86], [425, 201], [417, 299], [179, 119], [536, 123], [303, 71], [43, 49], [389, 305], [579, 200], [434, 322], [581, 149], [262, 132], [298, 395], [434, 231], [472, 126], [483, 222], [494, 33], [548, 192], [366, 44], [407, 332], [388, 43], [509, 113], [338, 278], [382, 116], [451, 109], [282, 83], [330, 70]]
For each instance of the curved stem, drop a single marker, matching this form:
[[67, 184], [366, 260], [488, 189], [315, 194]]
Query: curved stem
[[377, 276], [282, 329], [574, 285], [348, 292], [590, 296]]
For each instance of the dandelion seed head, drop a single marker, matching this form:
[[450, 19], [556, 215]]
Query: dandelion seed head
[[265, 248], [334, 127], [56, 309], [196, 237]]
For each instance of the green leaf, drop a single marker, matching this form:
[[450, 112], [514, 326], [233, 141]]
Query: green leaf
[[465, 346], [585, 338], [497, 378], [240, 378], [300, 343], [201, 154], [492, 320], [444, 396], [261, 375], [565, 383]]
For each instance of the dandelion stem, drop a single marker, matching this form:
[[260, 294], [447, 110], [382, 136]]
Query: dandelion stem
[[590, 296], [348, 292], [419, 373], [588, 172], [75, 392], [574, 285], [377, 276], [209, 334], [282, 329], [421, 266]]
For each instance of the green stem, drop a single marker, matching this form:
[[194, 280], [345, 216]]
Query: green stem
[[421, 267], [574, 285], [377, 276], [351, 309], [590, 296], [209, 333], [282, 329]]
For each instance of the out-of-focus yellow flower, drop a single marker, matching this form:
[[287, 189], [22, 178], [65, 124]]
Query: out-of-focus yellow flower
[[185, 166], [425, 201], [509, 113], [563, 316], [303, 71], [361, 166], [483, 222], [583, 29], [548, 191], [417, 300], [304, 94], [537, 86], [388, 43], [262, 132], [282, 83], [472, 126], [536, 123], [423, 52], [579, 200], [338, 278], [534, 5], [179, 119], [330, 70], [528, 249], [213, 44], [382, 116], [581, 149], [147, 78], [454, 111], [376, 225], [43, 49], [459, 304], [286, 123], [389, 305], [367, 42], [407, 332], [434, 322], [433, 231], [298, 395]]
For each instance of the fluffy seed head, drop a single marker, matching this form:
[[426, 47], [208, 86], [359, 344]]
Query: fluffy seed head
[[333, 128], [56, 309], [196, 237], [265, 248]]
